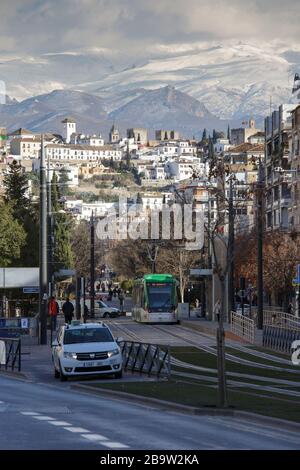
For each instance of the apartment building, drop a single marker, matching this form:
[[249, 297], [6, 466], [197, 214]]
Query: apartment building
[[294, 209], [278, 129]]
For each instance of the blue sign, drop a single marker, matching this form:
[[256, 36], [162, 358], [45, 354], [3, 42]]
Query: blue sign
[[296, 281], [31, 290]]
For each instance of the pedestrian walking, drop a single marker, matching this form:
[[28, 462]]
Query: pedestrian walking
[[53, 310], [68, 310], [85, 313], [217, 310], [121, 299]]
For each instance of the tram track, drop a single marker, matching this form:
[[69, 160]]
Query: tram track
[[213, 351]]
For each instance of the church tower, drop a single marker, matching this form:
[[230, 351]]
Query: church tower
[[114, 135]]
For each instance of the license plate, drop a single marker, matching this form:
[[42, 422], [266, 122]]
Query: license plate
[[89, 364]]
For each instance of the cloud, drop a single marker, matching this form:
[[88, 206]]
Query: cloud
[[40, 26]]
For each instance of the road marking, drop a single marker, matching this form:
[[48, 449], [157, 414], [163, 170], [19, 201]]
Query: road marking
[[43, 418], [94, 437], [98, 438], [74, 429], [114, 445], [60, 423]]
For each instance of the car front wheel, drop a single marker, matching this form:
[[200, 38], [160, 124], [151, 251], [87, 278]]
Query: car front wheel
[[118, 375], [63, 377]]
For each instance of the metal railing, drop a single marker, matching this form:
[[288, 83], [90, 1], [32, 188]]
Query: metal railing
[[146, 358], [278, 338], [281, 320], [10, 353], [243, 327]]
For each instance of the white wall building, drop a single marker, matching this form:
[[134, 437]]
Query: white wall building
[[222, 145], [83, 211], [81, 153], [91, 140], [184, 168]]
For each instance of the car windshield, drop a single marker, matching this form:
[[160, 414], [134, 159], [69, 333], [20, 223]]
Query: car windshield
[[102, 304], [160, 295], [88, 335]]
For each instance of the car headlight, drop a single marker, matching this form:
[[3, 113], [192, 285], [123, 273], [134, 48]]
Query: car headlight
[[70, 355], [114, 352]]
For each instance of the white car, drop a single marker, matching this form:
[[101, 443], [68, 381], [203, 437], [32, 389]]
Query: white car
[[104, 311], [85, 349]]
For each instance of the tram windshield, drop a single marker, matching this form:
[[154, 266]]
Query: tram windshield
[[160, 295]]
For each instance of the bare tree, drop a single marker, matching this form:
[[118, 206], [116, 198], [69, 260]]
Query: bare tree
[[222, 245]]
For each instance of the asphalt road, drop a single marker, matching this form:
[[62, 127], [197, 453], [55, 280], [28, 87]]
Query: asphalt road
[[43, 416]]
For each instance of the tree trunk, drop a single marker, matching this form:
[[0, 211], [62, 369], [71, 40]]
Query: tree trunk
[[181, 278], [221, 351]]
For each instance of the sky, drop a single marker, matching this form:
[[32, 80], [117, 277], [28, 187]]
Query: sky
[[35, 27]]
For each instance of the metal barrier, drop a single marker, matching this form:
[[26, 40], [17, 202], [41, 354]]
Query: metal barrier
[[243, 327], [281, 320], [10, 353], [279, 338], [146, 358]]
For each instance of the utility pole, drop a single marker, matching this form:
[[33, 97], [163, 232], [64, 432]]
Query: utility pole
[[43, 247], [153, 258], [260, 228], [231, 296], [92, 266], [50, 234]]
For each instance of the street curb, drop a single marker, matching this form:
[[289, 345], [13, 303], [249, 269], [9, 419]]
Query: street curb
[[13, 375], [163, 404], [152, 401]]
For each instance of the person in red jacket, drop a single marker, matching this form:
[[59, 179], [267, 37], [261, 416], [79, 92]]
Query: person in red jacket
[[53, 309]]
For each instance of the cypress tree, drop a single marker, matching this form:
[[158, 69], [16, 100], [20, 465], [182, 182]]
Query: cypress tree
[[228, 133], [16, 185]]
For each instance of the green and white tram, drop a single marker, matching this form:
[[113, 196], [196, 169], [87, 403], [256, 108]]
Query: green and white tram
[[155, 299]]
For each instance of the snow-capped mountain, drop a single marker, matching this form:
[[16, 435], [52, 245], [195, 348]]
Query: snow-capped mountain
[[45, 112], [163, 108], [230, 80], [233, 80], [167, 108]]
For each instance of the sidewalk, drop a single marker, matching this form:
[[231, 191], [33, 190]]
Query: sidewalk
[[210, 327]]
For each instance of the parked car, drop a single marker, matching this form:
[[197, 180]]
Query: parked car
[[104, 311], [85, 349], [239, 309]]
